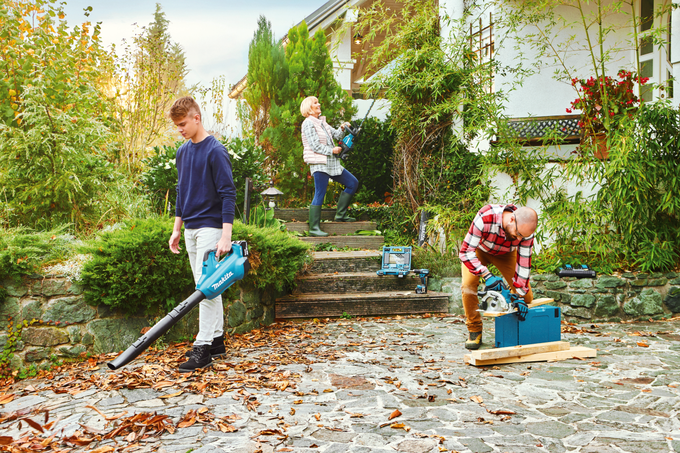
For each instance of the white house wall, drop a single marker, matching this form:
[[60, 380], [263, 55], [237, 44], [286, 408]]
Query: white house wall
[[543, 95]]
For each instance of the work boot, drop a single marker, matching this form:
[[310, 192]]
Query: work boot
[[475, 340], [314, 220], [199, 358], [343, 204], [217, 348]]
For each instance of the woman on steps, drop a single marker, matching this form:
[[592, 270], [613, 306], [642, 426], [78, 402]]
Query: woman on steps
[[321, 156]]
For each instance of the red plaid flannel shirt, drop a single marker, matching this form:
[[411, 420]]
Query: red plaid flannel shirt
[[486, 232]]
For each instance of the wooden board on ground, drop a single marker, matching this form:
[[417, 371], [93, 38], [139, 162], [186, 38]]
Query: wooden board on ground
[[535, 303], [576, 352], [517, 351]]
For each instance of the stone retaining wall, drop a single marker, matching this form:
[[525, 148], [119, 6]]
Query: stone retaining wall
[[69, 328], [606, 298]]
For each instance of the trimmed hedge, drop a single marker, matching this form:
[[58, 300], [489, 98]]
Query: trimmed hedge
[[133, 270]]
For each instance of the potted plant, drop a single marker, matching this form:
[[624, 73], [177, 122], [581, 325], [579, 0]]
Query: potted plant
[[603, 102]]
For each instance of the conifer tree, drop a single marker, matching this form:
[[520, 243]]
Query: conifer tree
[[310, 73], [267, 72]]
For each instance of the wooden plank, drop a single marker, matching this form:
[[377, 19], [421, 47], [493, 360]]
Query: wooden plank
[[516, 351], [535, 303], [574, 352]]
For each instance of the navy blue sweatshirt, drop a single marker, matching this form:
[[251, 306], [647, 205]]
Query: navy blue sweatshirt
[[206, 196]]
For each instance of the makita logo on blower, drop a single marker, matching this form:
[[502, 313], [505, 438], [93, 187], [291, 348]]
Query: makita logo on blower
[[222, 280]]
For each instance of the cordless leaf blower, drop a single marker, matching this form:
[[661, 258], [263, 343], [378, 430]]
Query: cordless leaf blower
[[347, 143], [216, 277]]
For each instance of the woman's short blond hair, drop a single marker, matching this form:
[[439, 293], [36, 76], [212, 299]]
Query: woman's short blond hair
[[306, 106]]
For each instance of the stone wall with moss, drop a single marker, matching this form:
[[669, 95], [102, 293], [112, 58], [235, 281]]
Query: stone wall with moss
[[45, 320], [605, 298]]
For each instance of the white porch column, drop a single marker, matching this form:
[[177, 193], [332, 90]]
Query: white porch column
[[675, 52]]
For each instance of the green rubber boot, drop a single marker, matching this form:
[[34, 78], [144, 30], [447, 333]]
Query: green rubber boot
[[314, 220], [343, 203]]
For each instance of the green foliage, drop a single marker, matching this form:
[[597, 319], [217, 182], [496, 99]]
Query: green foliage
[[371, 160], [160, 178], [54, 128], [133, 270], [631, 219], [148, 75], [24, 252], [40, 49], [160, 175], [267, 73], [8, 350], [394, 221], [264, 218], [248, 160], [431, 83], [440, 265], [276, 257], [310, 73], [51, 169]]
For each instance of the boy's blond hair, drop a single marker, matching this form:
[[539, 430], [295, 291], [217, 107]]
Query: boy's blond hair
[[183, 107]]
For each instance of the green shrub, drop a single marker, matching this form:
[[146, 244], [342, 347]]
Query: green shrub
[[440, 265], [371, 160], [132, 268], [394, 222], [276, 256], [160, 177], [24, 251]]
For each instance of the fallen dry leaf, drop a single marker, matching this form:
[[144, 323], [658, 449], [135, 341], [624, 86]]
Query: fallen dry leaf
[[400, 426], [394, 414], [477, 399]]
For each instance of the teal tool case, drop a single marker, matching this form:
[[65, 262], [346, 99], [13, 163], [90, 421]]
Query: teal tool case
[[542, 324]]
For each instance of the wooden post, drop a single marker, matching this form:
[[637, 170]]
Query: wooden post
[[246, 200]]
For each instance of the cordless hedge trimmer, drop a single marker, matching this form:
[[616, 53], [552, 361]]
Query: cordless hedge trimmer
[[347, 143]]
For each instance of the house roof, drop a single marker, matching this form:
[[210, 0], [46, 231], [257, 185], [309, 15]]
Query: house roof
[[326, 10]]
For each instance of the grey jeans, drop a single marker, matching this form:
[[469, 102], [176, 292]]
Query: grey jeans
[[211, 312]]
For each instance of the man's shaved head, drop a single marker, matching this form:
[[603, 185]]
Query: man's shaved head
[[527, 220]]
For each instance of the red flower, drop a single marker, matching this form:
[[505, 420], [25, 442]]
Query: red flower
[[644, 80], [569, 110]]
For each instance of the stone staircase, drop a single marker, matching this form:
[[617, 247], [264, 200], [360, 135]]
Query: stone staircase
[[346, 283], [340, 233]]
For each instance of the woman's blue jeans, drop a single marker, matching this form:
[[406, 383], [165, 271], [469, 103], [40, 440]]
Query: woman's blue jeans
[[347, 179]]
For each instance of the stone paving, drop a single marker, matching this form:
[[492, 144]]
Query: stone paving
[[625, 400]]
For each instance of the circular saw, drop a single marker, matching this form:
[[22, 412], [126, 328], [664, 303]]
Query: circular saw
[[495, 301]]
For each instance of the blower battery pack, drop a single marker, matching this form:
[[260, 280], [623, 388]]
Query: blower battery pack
[[582, 271]]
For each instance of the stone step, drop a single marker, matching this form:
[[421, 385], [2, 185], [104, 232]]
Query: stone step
[[360, 304], [353, 261], [352, 282], [355, 242], [333, 227], [302, 215]]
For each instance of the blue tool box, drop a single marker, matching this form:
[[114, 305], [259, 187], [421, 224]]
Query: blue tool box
[[542, 324]]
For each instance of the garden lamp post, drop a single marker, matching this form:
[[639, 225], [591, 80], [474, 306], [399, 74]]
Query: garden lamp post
[[272, 194]]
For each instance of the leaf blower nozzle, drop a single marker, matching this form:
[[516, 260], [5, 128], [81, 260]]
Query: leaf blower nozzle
[[216, 277]]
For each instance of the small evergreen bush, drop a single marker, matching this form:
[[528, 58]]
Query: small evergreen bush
[[23, 251], [133, 270]]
